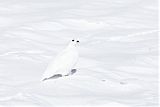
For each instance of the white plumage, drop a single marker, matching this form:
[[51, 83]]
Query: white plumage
[[64, 62]]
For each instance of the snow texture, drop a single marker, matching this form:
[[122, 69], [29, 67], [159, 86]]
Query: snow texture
[[118, 52]]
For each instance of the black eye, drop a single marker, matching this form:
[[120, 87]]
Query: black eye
[[77, 41], [72, 40]]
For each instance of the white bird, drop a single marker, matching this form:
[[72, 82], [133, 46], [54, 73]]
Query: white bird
[[63, 64]]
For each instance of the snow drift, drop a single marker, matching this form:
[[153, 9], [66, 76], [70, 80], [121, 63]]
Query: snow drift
[[118, 65]]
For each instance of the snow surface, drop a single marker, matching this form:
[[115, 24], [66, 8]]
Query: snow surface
[[118, 65]]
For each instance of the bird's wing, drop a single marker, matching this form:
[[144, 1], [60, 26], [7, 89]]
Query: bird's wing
[[61, 64], [55, 65]]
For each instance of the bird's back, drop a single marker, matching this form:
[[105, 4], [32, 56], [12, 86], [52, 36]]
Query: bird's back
[[63, 63]]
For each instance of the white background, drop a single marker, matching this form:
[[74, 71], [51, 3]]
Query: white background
[[118, 63]]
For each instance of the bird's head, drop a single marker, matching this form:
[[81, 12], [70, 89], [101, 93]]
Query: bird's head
[[74, 42]]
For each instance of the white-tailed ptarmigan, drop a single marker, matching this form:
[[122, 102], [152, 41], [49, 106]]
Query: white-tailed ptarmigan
[[63, 63]]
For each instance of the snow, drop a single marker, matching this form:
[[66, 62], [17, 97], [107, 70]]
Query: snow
[[118, 65]]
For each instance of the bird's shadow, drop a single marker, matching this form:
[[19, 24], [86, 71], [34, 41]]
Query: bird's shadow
[[73, 71], [56, 76]]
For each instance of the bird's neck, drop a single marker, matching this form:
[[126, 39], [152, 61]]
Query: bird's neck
[[71, 47]]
